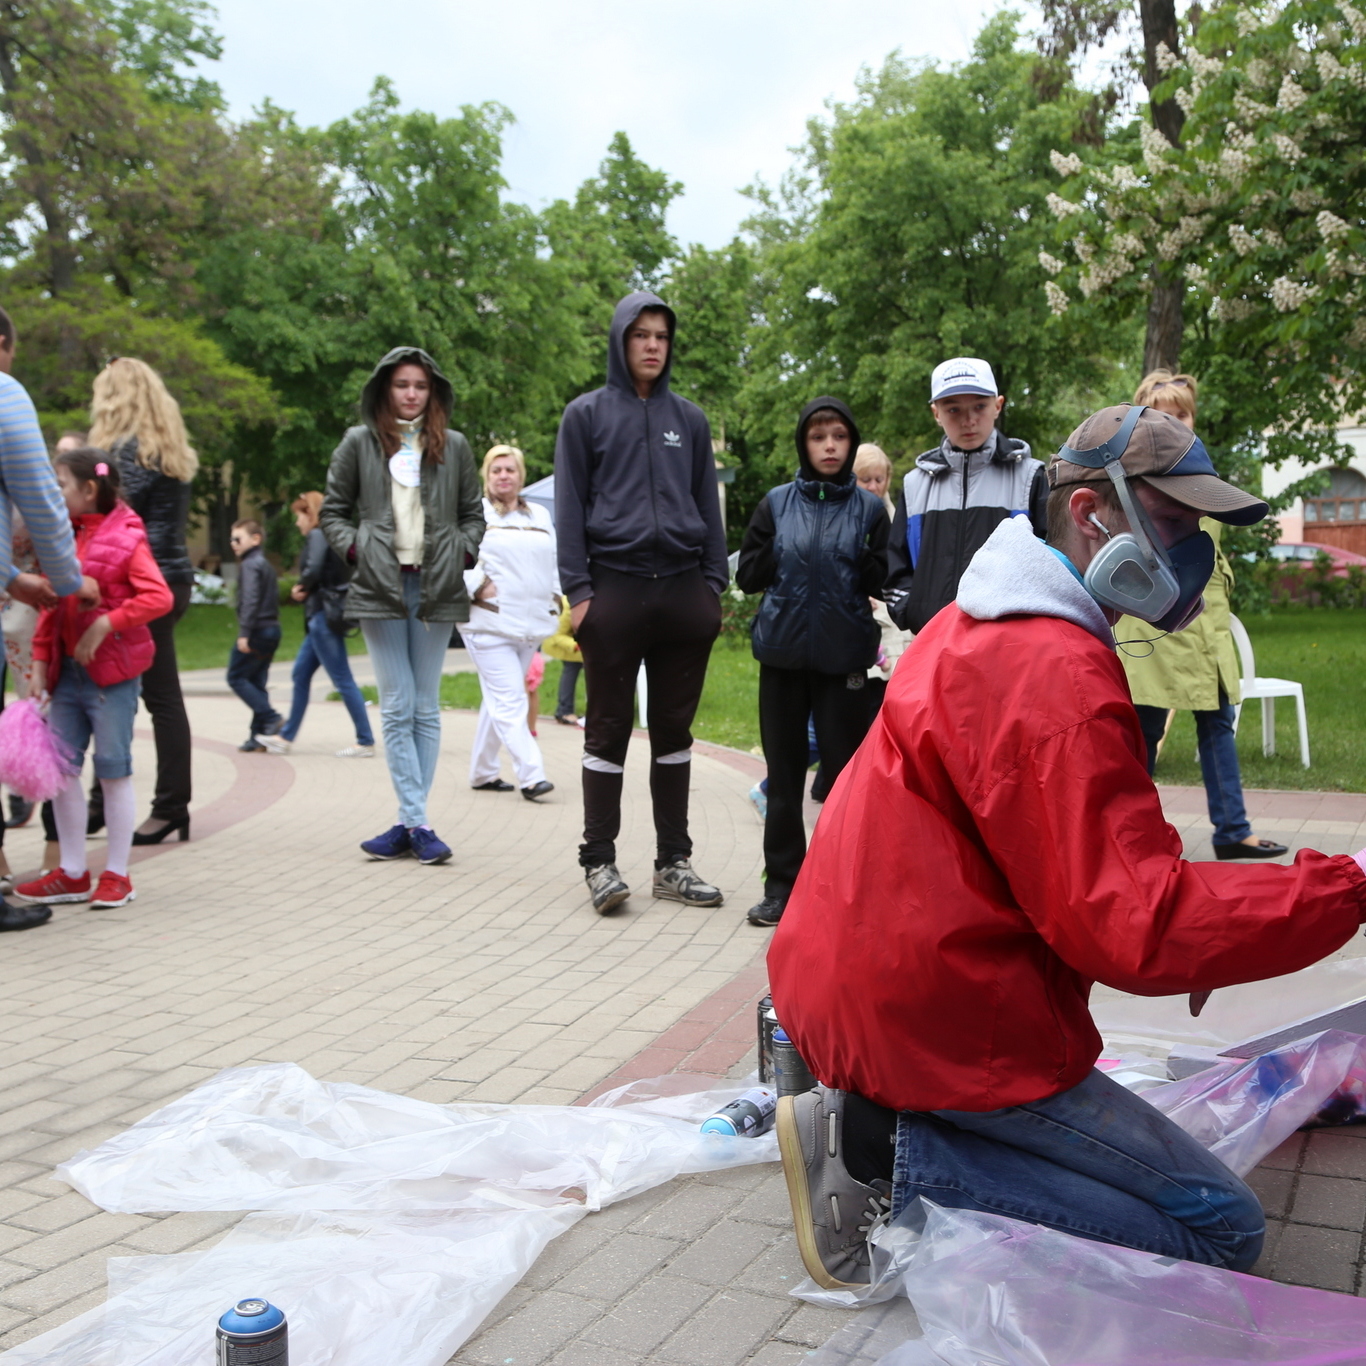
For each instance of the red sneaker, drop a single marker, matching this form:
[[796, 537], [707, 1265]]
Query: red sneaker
[[114, 890], [55, 888]]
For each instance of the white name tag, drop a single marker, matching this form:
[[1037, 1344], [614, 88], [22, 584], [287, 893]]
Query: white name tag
[[406, 467]]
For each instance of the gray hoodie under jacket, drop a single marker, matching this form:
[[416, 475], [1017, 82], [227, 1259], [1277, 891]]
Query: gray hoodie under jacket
[[635, 479]]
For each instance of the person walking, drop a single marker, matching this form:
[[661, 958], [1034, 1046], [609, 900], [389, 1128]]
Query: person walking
[[403, 508], [642, 556], [561, 645], [135, 419], [514, 603], [322, 587]]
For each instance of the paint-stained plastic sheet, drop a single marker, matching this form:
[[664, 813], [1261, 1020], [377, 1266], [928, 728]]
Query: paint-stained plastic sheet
[[275, 1138], [990, 1291]]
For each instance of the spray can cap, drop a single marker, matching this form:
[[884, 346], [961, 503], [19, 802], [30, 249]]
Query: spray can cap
[[780, 1035], [719, 1124]]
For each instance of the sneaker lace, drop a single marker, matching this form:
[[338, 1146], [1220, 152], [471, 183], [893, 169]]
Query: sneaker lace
[[877, 1211]]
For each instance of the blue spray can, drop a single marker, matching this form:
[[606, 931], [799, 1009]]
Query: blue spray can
[[253, 1333], [746, 1116]]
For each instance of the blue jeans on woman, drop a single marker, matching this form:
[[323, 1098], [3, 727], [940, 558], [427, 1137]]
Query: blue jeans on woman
[[408, 655], [322, 645], [1097, 1161]]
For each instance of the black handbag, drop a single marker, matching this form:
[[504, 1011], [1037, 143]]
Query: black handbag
[[333, 598]]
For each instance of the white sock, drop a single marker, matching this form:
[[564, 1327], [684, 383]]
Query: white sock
[[72, 816], [120, 811]]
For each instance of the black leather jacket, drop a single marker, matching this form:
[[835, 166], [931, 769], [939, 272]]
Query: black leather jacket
[[320, 568], [163, 504]]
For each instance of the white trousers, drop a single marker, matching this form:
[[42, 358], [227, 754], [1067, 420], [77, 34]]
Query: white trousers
[[502, 666]]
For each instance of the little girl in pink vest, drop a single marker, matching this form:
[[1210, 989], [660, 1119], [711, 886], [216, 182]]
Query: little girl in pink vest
[[91, 663]]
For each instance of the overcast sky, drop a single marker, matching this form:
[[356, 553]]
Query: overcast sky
[[714, 91]]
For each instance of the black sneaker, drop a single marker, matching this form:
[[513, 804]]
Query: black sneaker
[[768, 912], [251, 745], [833, 1214], [605, 887], [538, 790]]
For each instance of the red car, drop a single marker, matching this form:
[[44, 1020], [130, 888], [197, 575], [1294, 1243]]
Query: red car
[[1309, 551]]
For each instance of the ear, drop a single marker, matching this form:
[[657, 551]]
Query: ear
[[1000, 403], [1080, 507]]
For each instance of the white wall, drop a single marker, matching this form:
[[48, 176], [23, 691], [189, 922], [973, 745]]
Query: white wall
[[1274, 481]]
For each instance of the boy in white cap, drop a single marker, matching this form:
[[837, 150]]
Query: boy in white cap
[[955, 495]]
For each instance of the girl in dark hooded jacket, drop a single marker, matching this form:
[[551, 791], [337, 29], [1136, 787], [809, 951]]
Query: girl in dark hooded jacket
[[404, 508]]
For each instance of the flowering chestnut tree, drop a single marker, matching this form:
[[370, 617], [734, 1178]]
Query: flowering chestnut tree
[[1262, 211]]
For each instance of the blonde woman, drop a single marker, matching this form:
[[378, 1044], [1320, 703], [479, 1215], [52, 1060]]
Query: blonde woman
[[135, 419], [514, 595], [873, 470]]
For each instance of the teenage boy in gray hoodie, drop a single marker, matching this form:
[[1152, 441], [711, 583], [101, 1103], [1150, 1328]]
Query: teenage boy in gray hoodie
[[642, 555]]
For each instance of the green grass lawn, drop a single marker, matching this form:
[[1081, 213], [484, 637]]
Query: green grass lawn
[[206, 634]]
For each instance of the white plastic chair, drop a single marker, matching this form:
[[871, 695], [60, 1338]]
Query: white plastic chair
[[1268, 689]]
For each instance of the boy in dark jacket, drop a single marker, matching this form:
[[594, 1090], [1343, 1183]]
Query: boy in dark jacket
[[258, 632], [817, 549], [955, 495]]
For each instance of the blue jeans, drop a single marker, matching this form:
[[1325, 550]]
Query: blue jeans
[[249, 673], [1097, 1161], [80, 710], [322, 645], [569, 680], [408, 655]]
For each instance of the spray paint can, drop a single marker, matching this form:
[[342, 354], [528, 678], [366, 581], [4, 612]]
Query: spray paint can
[[790, 1074], [768, 1022], [747, 1116], [253, 1333]]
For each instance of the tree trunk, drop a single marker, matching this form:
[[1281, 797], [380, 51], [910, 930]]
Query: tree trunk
[[1162, 346], [1159, 26]]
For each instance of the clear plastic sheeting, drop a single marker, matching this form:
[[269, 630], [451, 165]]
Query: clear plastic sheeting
[[990, 1291], [1241, 1111], [356, 1288], [274, 1138]]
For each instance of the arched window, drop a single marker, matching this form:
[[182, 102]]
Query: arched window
[[1344, 500]]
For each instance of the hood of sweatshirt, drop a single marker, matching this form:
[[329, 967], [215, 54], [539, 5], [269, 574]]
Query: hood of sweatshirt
[[805, 469], [380, 376], [627, 311], [1016, 574]]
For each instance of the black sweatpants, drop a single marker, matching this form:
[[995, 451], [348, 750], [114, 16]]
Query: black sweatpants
[[786, 698], [669, 625]]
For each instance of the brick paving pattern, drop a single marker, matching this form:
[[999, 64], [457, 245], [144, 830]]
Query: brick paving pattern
[[268, 938]]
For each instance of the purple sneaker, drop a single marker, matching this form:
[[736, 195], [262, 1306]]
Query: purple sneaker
[[393, 843]]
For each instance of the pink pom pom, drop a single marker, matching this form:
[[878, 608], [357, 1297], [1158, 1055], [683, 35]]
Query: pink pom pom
[[34, 761], [536, 672]]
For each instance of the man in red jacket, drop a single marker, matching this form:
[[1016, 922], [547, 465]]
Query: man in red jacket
[[1011, 850]]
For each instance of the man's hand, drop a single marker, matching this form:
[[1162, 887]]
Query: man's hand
[[298, 593], [89, 594], [95, 635], [244, 645], [577, 613], [32, 589]]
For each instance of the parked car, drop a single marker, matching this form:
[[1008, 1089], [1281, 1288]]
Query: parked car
[[1309, 551]]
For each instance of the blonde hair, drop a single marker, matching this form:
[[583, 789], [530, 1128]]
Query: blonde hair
[[308, 505], [1163, 386], [496, 452], [868, 456], [130, 400]]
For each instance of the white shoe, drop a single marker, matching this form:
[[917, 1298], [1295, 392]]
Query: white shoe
[[357, 752], [275, 744]]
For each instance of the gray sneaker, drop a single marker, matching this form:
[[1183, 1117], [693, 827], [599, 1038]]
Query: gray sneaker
[[605, 887], [678, 882], [832, 1212]]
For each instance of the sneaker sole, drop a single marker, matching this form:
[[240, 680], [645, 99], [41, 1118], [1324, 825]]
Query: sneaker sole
[[613, 901], [385, 858], [432, 862], [799, 1194], [114, 905], [666, 894], [60, 899]]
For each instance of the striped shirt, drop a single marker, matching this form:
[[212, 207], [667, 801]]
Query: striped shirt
[[28, 483]]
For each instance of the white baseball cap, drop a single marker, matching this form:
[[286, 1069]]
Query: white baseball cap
[[962, 375]]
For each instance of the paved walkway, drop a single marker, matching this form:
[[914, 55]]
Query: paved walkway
[[268, 938]]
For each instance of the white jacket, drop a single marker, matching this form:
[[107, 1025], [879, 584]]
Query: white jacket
[[518, 555]]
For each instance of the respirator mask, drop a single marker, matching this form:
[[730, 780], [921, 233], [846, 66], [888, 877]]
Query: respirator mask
[[1133, 572]]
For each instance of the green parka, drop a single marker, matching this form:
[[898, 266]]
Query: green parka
[[1186, 670], [358, 511]]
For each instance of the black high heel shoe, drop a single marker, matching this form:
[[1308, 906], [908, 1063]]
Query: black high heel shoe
[[181, 824]]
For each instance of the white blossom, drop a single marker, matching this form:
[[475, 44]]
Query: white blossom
[[1085, 251], [1232, 310], [1356, 73], [1259, 73], [1065, 165], [1190, 229], [1287, 295], [1334, 264], [1124, 177], [1248, 21], [1271, 238], [1185, 97], [1197, 275], [1242, 241], [1205, 68], [1249, 110], [1050, 263], [1291, 95], [1357, 336], [1330, 69], [1234, 164], [1304, 200], [1330, 226], [1166, 59], [1287, 147], [1057, 298], [1155, 147], [1127, 244], [1356, 19], [1062, 208]]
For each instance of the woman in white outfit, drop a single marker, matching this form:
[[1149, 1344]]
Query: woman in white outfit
[[514, 596]]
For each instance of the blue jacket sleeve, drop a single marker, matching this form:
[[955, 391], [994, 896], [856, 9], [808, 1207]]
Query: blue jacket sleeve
[[715, 567], [572, 472], [28, 483]]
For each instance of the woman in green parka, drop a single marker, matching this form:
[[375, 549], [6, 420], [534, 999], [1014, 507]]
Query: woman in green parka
[[404, 507], [1195, 670]]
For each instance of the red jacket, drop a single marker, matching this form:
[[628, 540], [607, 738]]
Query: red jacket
[[113, 550], [994, 847]]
